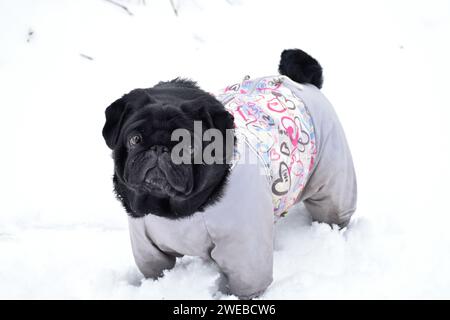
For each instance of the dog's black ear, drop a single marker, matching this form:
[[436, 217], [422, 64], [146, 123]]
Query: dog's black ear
[[223, 120], [301, 67], [118, 112], [209, 110]]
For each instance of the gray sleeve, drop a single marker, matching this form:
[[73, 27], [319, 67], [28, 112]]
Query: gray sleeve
[[149, 259], [241, 229], [330, 195]]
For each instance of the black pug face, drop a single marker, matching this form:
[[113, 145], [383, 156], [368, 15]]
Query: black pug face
[[138, 129]]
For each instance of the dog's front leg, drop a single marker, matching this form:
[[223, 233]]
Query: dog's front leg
[[245, 254], [241, 230], [150, 260]]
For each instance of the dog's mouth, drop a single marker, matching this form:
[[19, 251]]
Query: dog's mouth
[[160, 177], [156, 182]]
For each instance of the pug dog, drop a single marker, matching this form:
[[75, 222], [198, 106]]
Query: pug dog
[[208, 175]]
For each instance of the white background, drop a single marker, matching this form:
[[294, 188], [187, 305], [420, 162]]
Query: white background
[[386, 66]]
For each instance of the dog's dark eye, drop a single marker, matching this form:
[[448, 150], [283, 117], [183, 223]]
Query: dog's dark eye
[[135, 140]]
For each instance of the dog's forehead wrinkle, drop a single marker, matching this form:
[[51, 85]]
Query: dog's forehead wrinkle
[[134, 125]]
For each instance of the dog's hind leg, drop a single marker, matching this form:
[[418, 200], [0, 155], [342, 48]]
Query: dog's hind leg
[[324, 210], [331, 192]]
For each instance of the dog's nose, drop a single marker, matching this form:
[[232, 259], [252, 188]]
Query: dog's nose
[[159, 149]]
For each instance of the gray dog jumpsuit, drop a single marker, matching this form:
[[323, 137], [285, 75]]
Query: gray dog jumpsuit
[[290, 148]]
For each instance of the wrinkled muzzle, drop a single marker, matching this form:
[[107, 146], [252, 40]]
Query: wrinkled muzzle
[[154, 172]]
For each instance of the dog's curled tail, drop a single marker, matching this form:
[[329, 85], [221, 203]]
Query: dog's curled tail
[[300, 67]]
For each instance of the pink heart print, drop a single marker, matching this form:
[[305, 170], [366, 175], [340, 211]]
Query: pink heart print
[[274, 155]]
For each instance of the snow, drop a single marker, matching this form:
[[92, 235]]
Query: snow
[[63, 234]]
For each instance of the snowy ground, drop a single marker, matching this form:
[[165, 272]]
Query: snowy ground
[[62, 233]]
